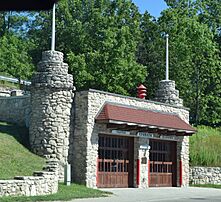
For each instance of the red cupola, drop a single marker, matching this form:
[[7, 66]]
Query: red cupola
[[141, 91]]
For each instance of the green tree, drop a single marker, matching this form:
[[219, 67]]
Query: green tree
[[15, 22], [194, 61], [151, 52], [210, 13], [194, 57], [100, 38], [14, 46], [14, 57]]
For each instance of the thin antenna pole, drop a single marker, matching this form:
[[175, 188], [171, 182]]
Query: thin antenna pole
[[53, 30], [167, 57]]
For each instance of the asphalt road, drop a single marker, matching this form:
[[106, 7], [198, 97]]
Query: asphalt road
[[190, 194]]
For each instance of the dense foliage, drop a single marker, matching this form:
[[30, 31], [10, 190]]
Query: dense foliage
[[15, 57], [110, 46], [194, 57], [100, 39]]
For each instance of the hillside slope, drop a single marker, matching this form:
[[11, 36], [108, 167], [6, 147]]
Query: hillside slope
[[15, 158]]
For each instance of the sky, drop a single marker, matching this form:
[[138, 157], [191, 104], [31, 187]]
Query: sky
[[154, 7]]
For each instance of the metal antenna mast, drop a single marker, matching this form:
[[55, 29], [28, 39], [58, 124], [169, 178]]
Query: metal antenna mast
[[167, 57], [53, 30]]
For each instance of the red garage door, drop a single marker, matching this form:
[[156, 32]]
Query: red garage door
[[163, 167], [115, 162]]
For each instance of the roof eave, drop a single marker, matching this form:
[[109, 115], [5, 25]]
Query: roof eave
[[178, 132]]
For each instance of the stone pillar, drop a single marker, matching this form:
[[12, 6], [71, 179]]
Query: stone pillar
[[185, 161], [51, 101], [144, 161], [168, 94]]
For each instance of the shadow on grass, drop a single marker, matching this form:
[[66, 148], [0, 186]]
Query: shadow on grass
[[18, 132]]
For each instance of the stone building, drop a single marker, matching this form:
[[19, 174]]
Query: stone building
[[110, 140], [121, 141]]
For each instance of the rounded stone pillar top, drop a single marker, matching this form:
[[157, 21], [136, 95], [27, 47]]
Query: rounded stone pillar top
[[167, 93], [53, 56], [52, 72], [168, 84]]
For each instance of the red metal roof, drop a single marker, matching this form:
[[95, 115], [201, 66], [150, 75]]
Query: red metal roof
[[125, 114]]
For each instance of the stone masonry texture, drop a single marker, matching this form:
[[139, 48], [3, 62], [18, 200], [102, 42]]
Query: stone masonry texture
[[41, 183], [64, 129], [167, 93], [205, 175], [15, 109], [84, 139], [51, 102]]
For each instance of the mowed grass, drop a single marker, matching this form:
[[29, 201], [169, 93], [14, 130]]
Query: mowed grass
[[205, 147], [65, 193], [207, 185], [15, 158], [6, 84]]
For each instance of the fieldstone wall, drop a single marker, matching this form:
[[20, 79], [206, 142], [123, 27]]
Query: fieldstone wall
[[205, 175], [51, 102], [184, 157], [15, 109], [167, 93], [41, 183], [79, 140], [85, 136]]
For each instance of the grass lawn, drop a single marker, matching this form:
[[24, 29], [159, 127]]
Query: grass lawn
[[6, 84], [206, 185], [15, 158], [65, 193]]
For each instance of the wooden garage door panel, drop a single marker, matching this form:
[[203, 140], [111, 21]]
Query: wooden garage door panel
[[114, 162], [162, 164], [161, 180]]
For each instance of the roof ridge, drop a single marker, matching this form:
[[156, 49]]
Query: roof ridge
[[139, 108]]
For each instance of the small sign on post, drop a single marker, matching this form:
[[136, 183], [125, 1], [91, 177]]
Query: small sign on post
[[67, 175]]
